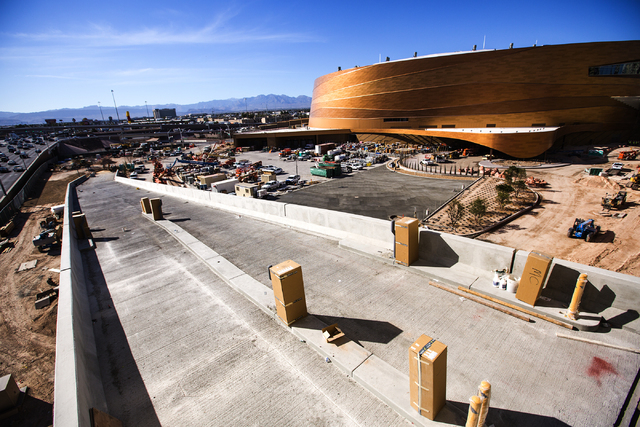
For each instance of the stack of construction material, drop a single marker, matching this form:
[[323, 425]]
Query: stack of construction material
[[288, 290], [406, 231], [428, 376]]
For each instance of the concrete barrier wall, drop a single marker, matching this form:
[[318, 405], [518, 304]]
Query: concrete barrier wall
[[604, 288], [78, 384], [339, 225], [436, 249], [442, 249]]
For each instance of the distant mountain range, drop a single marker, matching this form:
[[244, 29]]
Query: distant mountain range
[[233, 105]]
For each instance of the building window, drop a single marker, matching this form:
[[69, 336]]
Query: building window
[[448, 126], [491, 125], [396, 119], [631, 69]]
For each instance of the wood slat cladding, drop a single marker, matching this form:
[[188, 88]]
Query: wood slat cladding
[[508, 88]]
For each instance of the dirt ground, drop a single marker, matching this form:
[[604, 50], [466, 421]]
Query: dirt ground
[[27, 335], [572, 194]]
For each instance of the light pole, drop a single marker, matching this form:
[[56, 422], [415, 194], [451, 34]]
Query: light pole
[[100, 106], [114, 104]]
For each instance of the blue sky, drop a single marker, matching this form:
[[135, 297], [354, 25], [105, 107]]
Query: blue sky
[[71, 54]]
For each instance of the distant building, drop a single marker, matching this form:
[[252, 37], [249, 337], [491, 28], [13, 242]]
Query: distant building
[[164, 113], [517, 101]]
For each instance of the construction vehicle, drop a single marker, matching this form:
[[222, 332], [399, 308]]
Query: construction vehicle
[[628, 155], [48, 238], [634, 182], [617, 201], [584, 229]]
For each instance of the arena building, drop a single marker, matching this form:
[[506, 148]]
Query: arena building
[[517, 101]]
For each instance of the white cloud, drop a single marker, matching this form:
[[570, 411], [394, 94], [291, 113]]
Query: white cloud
[[213, 33]]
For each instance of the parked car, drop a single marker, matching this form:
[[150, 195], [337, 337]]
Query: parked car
[[617, 166], [292, 180], [428, 162], [18, 168], [271, 186], [38, 150], [12, 162], [346, 168], [274, 169], [3, 169]]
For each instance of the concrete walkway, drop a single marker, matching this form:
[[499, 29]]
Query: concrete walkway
[[174, 336]]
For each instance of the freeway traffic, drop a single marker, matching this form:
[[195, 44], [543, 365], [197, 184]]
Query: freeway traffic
[[16, 156]]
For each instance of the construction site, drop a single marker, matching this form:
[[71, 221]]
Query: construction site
[[401, 311]]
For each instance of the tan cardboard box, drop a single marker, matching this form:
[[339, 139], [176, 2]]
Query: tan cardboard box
[[156, 208], [533, 277], [287, 283], [291, 312], [428, 376], [406, 242], [146, 205]]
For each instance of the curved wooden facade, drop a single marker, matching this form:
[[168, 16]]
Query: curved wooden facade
[[571, 87]]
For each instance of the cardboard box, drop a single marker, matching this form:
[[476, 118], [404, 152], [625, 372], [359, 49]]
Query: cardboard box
[[81, 226], [268, 176], [291, 312], [533, 278], [332, 333], [146, 205], [428, 376], [287, 283], [156, 208], [406, 241]]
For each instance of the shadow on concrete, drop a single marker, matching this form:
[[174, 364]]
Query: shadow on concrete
[[636, 414], [104, 239], [127, 397], [435, 252], [181, 219], [561, 284], [622, 319], [363, 329], [507, 418]]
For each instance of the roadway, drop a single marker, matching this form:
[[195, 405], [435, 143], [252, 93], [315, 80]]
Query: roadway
[[177, 346], [13, 159]]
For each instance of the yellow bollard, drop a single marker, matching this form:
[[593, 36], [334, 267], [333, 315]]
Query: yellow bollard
[[484, 392], [474, 410], [573, 313]]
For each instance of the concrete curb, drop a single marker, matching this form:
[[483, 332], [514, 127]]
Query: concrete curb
[[375, 375]]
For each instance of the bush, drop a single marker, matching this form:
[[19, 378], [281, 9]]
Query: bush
[[478, 209], [455, 212], [503, 199]]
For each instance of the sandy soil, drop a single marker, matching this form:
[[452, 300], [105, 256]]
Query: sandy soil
[[571, 194], [27, 335]]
